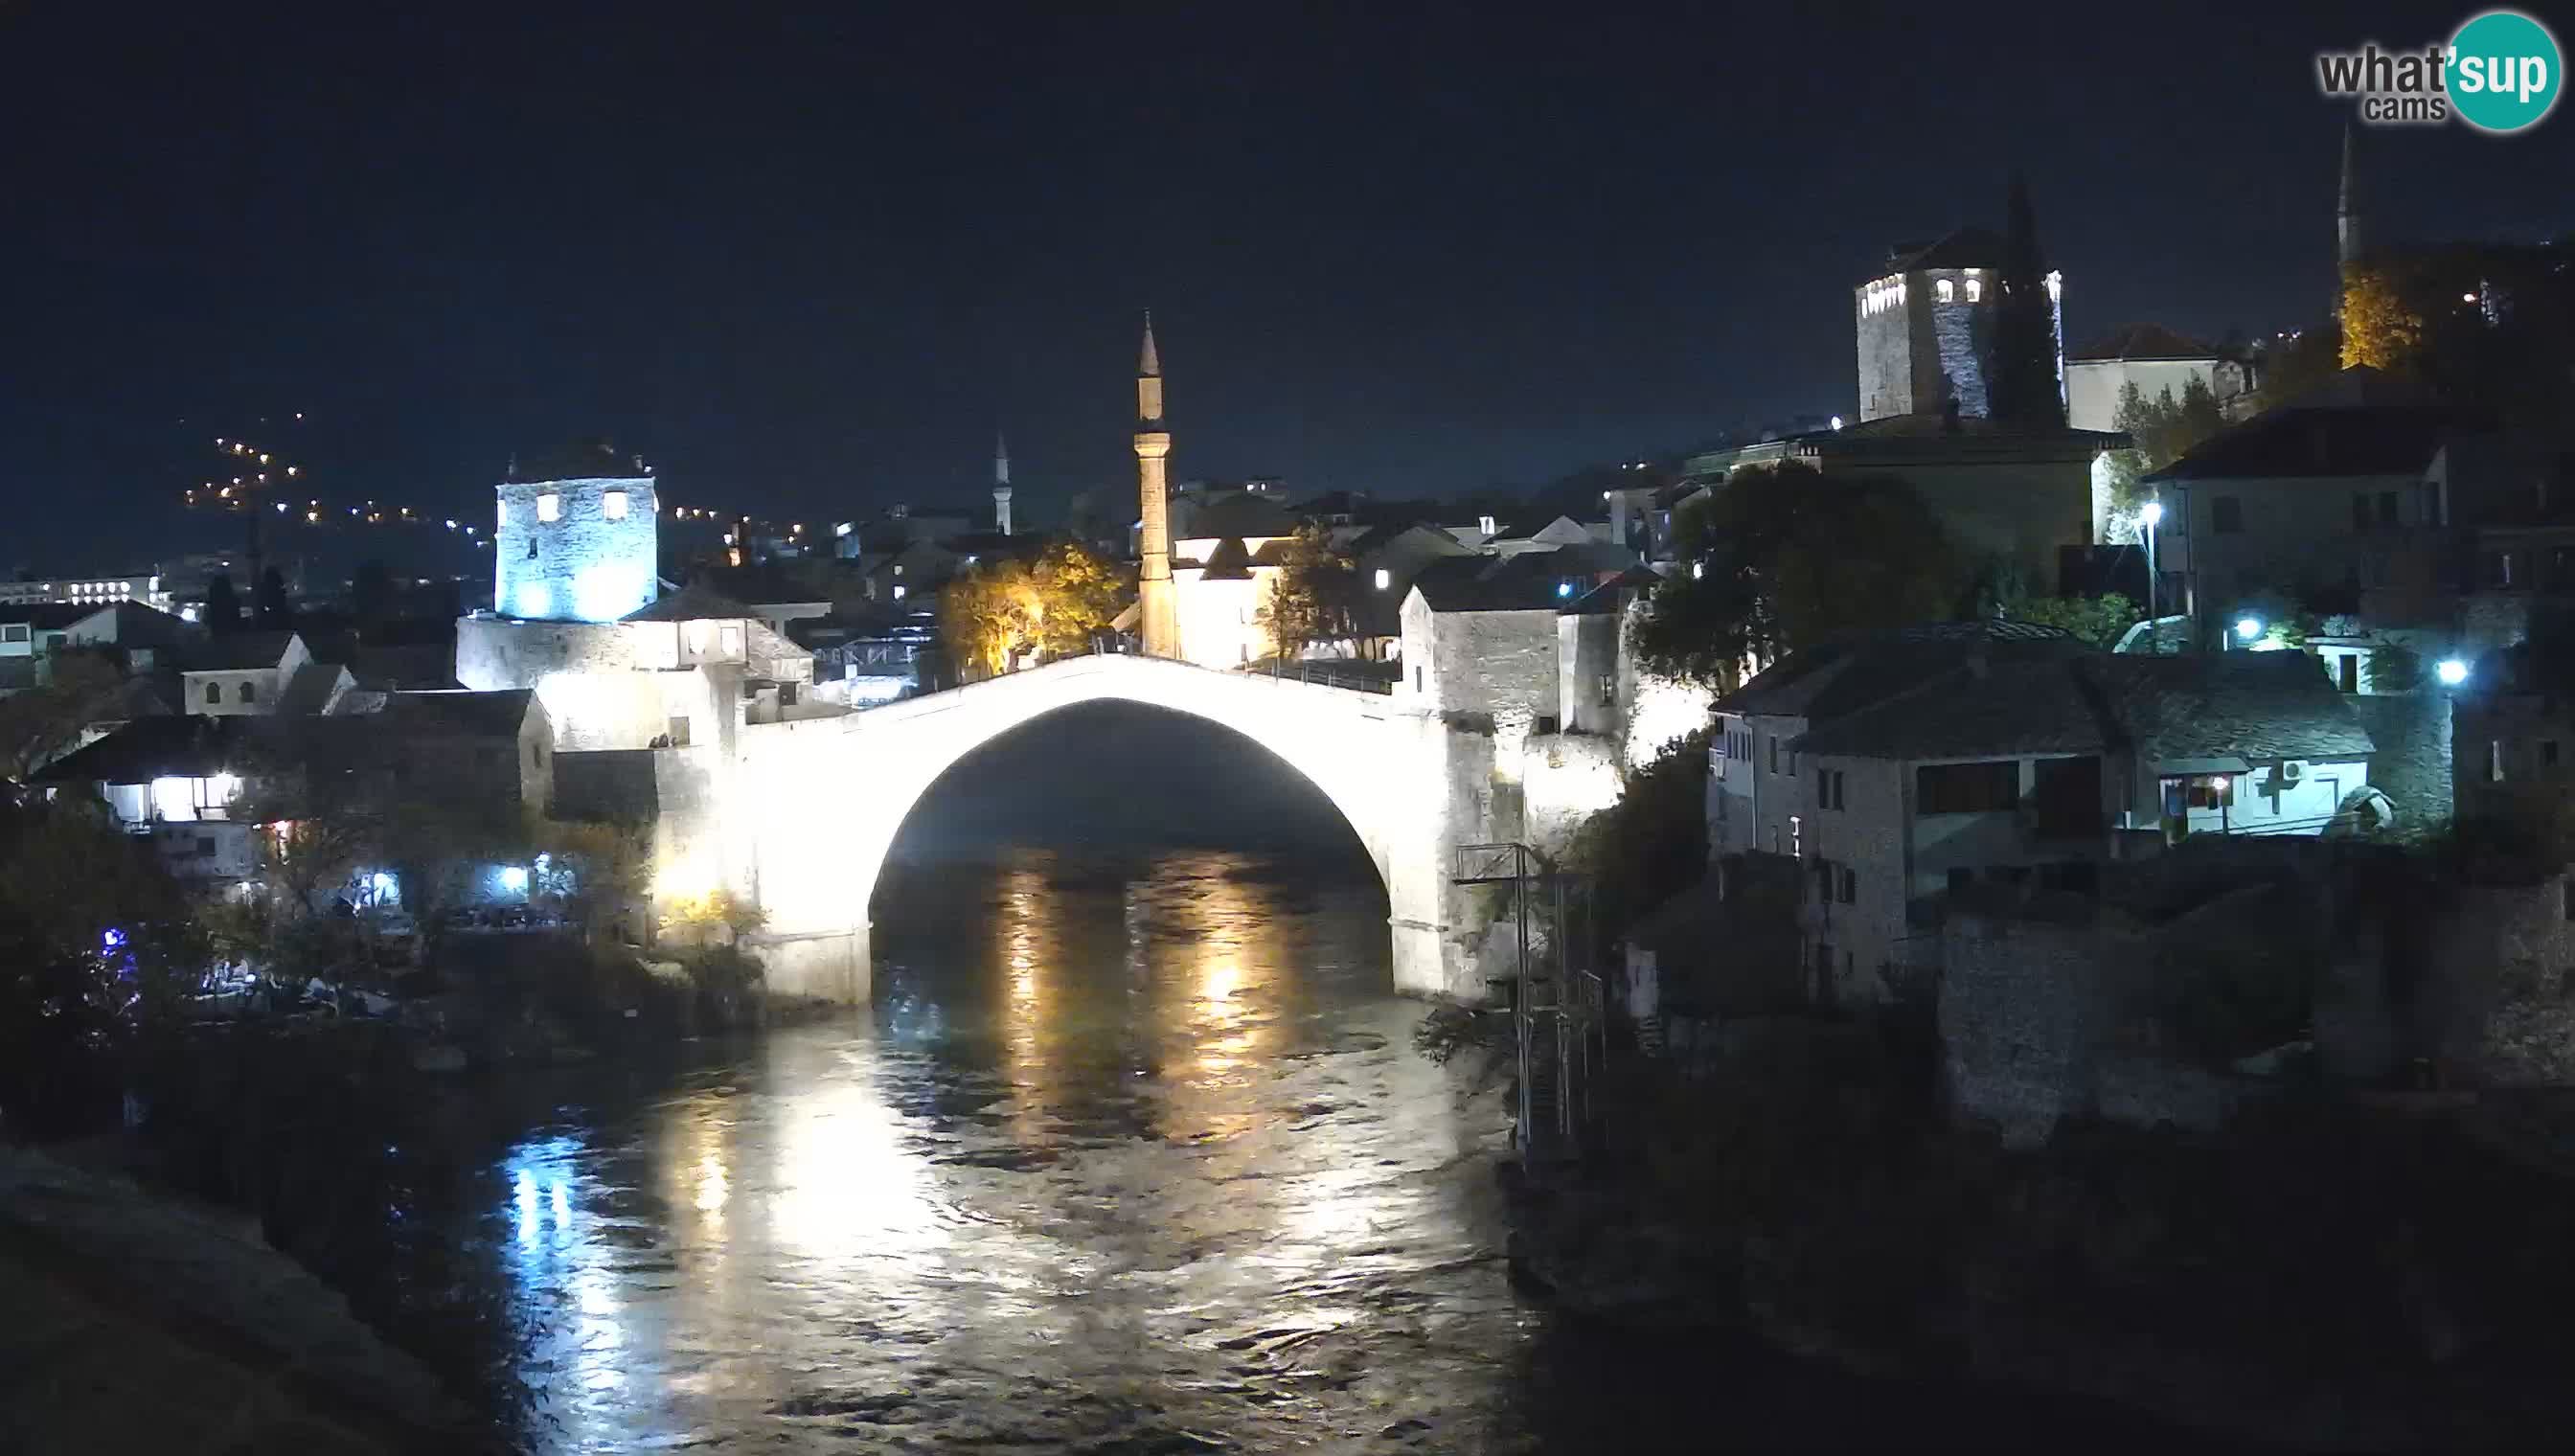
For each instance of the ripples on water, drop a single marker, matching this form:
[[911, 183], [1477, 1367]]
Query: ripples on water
[[1127, 1157]]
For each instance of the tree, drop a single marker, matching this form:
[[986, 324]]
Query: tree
[[2164, 429], [2022, 388], [700, 916], [222, 605], [2097, 621], [2292, 366], [43, 722], [1783, 557], [993, 613], [272, 599], [2380, 328], [1315, 595]]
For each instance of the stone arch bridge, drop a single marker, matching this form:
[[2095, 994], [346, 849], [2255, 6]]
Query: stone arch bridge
[[801, 818]]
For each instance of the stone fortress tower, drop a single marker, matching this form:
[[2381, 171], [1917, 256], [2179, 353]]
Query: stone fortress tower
[[577, 539], [1001, 483], [1158, 610], [1924, 321]]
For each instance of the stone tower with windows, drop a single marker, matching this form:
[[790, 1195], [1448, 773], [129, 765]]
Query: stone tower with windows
[[1924, 323], [577, 539]]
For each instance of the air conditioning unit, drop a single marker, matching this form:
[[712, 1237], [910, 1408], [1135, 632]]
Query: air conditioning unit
[[2289, 772]]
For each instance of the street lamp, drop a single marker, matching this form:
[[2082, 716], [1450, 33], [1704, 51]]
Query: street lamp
[[2451, 671], [2153, 512], [2248, 627]]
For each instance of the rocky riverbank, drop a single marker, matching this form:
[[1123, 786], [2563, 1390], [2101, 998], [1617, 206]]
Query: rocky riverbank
[[140, 1323], [2324, 1277]]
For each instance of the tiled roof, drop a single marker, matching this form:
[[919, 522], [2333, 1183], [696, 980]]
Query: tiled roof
[[497, 713], [1529, 582], [2301, 440], [1228, 562], [2143, 342]]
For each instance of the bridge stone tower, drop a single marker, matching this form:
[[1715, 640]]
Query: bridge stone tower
[[1001, 483], [1157, 610]]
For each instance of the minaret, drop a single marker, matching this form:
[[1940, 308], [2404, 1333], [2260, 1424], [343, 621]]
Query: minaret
[[2347, 210], [1000, 484], [1157, 610]]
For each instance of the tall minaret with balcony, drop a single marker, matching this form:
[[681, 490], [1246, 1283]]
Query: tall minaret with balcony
[[1001, 483], [1158, 610]]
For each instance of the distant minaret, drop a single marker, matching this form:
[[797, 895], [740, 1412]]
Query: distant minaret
[[1157, 610], [1000, 484], [2347, 210]]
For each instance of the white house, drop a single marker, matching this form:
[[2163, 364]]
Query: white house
[[243, 673], [2029, 770], [2155, 360]]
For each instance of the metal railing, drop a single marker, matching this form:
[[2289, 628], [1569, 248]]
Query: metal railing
[[1323, 675]]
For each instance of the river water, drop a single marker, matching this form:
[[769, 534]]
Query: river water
[[1130, 1154]]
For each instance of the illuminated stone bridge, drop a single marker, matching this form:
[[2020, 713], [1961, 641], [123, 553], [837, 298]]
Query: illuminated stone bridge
[[812, 807]]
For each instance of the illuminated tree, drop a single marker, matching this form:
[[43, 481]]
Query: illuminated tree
[[2379, 328], [2164, 429], [996, 612]]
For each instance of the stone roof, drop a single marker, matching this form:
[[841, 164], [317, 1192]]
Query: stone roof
[[2308, 441], [498, 713], [695, 602], [2255, 705], [235, 652], [1969, 247], [309, 690], [1228, 562], [2258, 706], [46, 616], [1529, 582], [760, 581], [2143, 342], [2023, 707], [1242, 513], [1848, 673]]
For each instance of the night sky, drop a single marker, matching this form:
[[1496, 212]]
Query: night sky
[[807, 260]]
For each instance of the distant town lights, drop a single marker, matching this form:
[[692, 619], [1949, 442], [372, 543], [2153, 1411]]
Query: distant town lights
[[2451, 671]]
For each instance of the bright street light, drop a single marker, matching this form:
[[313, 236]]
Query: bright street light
[[2153, 512], [2451, 671], [2248, 627]]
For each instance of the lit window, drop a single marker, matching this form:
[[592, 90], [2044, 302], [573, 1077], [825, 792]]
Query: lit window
[[613, 505], [898, 594], [550, 507], [1385, 579], [1975, 289], [505, 513], [1948, 291]]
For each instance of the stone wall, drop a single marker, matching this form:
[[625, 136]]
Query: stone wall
[[2498, 1000], [2411, 760], [2025, 1006], [586, 565]]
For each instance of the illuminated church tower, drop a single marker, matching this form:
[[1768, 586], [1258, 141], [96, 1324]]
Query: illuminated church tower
[[1157, 611]]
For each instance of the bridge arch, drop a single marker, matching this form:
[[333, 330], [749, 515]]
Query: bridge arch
[[818, 803]]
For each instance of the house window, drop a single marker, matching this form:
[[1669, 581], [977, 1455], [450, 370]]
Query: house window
[[550, 507], [2347, 670], [1609, 689], [1948, 291], [1846, 883], [613, 505], [1417, 681], [248, 693], [2387, 508], [1975, 289], [1774, 756], [2225, 515], [505, 513], [1385, 579], [14, 632], [1828, 788], [2494, 761], [1962, 788]]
